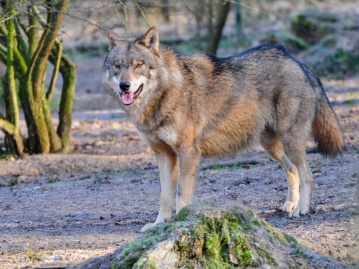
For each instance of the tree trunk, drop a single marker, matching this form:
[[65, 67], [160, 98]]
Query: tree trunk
[[215, 38], [42, 144], [68, 72], [10, 92]]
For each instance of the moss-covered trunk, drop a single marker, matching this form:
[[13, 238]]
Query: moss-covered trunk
[[13, 138], [68, 71]]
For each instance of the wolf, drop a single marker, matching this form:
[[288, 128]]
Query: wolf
[[186, 107]]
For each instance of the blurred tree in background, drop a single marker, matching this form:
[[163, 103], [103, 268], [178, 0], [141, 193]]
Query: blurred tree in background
[[210, 16], [28, 41]]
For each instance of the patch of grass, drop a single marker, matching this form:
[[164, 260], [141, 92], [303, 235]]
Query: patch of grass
[[132, 173], [351, 102], [111, 173], [53, 180], [316, 166], [219, 166], [236, 165], [6, 155], [33, 256]]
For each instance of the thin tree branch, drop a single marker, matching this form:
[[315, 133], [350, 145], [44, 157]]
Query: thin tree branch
[[7, 126], [19, 37], [45, 44], [241, 4], [3, 55], [55, 72], [142, 13], [124, 11], [21, 65], [12, 104]]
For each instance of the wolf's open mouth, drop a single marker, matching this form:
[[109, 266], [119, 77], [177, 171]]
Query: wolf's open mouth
[[127, 98]]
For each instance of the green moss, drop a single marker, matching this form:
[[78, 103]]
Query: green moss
[[299, 252], [243, 251], [133, 251], [289, 239], [144, 263], [210, 238], [183, 214], [267, 256], [212, 245]]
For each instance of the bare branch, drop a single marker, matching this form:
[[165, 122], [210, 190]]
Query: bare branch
[[142, 13], [241, 4], [124, 11]]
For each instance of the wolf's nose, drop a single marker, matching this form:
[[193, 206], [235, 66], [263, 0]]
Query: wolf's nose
[[125, 85]]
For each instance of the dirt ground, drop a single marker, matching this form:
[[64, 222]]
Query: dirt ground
[[57, 211]]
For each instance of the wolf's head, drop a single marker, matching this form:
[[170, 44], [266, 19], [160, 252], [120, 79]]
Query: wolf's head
[[130, 64]]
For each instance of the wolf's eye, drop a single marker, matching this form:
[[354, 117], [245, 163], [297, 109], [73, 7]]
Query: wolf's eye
[[139, 65], [118, 66]]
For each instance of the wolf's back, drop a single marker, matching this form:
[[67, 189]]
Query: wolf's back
[[326, 130]]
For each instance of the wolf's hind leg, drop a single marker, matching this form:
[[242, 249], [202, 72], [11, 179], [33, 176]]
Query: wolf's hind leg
[[168, 166], [296, 152], [274, 147]]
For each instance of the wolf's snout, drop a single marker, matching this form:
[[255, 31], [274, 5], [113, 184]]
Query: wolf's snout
[[125, 85]]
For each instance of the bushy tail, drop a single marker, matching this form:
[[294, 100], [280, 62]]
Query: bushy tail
[[326, 130]]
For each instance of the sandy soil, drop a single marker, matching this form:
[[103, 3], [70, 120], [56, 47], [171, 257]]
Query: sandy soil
[[57, 211]]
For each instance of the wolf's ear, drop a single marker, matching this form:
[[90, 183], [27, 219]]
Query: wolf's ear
[[112, 38], [150, 40]]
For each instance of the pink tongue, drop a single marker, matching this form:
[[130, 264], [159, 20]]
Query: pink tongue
[[127, 98]]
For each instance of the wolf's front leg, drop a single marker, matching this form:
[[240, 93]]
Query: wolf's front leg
[[189, 160], [168, 165]]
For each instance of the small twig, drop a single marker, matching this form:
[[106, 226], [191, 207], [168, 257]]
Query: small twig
[[142, 13], [233, 2], [191, 9], [124, 11]]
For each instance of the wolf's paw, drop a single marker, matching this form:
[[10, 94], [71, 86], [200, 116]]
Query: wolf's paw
[[148, 226], [299, 210], [288, 206]]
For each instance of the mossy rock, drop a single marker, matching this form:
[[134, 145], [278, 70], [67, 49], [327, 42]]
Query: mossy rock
[[207, 236], [312, 25]]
